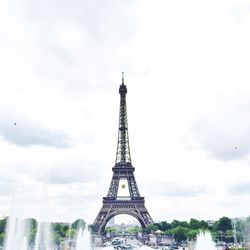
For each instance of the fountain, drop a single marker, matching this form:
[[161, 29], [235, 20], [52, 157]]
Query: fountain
[[83, 240], [17, 231], [204, 242], [17, 227], [25, 243], [43, 236], [234, 232], [17, 235]]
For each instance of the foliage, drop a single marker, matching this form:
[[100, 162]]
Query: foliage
[[242, 229], [203, 225], [180, 233], [32, 232], [183, 230], [135, 230], [2, 236], [92, 228], [111, 229], [179, 230], [78, 223], [194, 224], [151, 228], [169, 233], [192, 234], [224, 224], [56, 238], [60, 229], [71, 233], [3, 225], [163, 226], [176, 223]]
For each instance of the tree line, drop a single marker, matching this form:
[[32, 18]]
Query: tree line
[[183, 230], [222, 230]]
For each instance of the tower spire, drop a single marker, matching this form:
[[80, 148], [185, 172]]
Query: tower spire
[[123, 158]]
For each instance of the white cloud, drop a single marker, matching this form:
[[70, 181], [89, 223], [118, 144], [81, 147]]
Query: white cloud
[[186, 68], [18, 130], [224, 130], [242, 188], [177, 189]]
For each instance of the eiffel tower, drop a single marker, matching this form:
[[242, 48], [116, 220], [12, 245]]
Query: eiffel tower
[[123, 195]]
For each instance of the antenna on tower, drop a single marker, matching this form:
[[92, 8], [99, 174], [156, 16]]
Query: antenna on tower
[[122, 78]]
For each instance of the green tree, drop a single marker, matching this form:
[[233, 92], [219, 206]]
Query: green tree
[[111, 229], [135, 230], [32, 237], [224, 224], [78, 223], [3, 225], [71, 233], [56, 227], [163, 226], [64, 230], [151, 228], [203, 224], [32, 231], [180, 233], [56, 238], [176, 223], [2, 236], [169, 233], [60, 229], [92, 228], [229, 236], [192, 234], [194, 224]]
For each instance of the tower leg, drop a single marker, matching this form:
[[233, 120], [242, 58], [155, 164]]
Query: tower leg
[[136, 209]]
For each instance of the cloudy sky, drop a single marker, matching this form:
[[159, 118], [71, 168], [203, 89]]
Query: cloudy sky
[[186, 67]]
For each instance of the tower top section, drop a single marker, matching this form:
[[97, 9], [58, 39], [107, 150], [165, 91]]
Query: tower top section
[[123, 88], [123, 158]]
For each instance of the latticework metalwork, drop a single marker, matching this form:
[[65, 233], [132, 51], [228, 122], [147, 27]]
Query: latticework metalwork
[[123, 150], [133, 204]]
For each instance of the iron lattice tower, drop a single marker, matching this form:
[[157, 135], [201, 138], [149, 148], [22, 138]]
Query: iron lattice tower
[[123, 172]]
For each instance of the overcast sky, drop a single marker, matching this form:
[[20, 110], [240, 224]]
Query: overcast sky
[[186, 67]]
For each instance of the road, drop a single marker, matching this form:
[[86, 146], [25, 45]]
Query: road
[[136, 245]]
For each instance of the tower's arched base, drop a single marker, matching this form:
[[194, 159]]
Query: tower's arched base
[[111, 208]]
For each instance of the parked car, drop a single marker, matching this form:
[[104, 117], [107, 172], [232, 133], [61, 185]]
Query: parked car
[[127, 247], [174, 247]]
